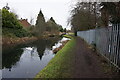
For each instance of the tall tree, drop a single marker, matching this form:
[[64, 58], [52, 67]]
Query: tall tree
[[6, 7], [111, 12], [82, 17], [11, 25], [0, 18], [9, 20], [52, 26], [40, 24], [52, 19], [85, 15]]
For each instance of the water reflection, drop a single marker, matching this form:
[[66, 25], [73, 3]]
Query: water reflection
[[10, 59], [27, 60], [59, 43]]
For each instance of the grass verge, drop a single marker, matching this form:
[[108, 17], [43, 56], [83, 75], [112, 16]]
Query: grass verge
[[68, 36], [61, 65]]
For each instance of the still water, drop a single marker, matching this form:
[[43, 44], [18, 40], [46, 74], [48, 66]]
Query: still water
[[25, 61]]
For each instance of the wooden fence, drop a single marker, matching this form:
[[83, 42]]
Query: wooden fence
[[107, 42]]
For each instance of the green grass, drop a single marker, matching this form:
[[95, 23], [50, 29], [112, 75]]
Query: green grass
[[68, 36], [13, 33], [71, 33], [61, 65]]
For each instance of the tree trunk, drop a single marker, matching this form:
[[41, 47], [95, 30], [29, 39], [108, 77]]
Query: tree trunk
[[75, 33]]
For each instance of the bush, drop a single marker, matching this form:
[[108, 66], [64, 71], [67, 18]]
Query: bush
[[15, 32], [9, 20], [11, 26]]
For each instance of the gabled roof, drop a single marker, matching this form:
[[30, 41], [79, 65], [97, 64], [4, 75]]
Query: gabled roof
[[24, 22]]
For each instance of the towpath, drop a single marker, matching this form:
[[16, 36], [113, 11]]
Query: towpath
[[86, 62]]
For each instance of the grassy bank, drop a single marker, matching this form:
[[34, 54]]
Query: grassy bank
[[68, 36], [61, 65]]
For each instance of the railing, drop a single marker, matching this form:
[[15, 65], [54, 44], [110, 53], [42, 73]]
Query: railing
[[107, 42]]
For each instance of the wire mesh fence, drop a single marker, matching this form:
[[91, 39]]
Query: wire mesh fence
[[107, 42]]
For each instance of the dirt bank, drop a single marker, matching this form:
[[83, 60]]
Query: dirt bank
[[11, 42], [59, 48]]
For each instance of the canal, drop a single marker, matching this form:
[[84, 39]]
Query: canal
[[26, 60]]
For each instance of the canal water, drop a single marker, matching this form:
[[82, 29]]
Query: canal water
[[25, 61]]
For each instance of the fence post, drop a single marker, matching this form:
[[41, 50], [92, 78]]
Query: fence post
[[111, 39], [119, 45]]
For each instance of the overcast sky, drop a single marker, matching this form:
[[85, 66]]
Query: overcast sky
[[58, 9]]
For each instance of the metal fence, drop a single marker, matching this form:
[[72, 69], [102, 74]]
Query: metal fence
[[88, 36], [107, 42]]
